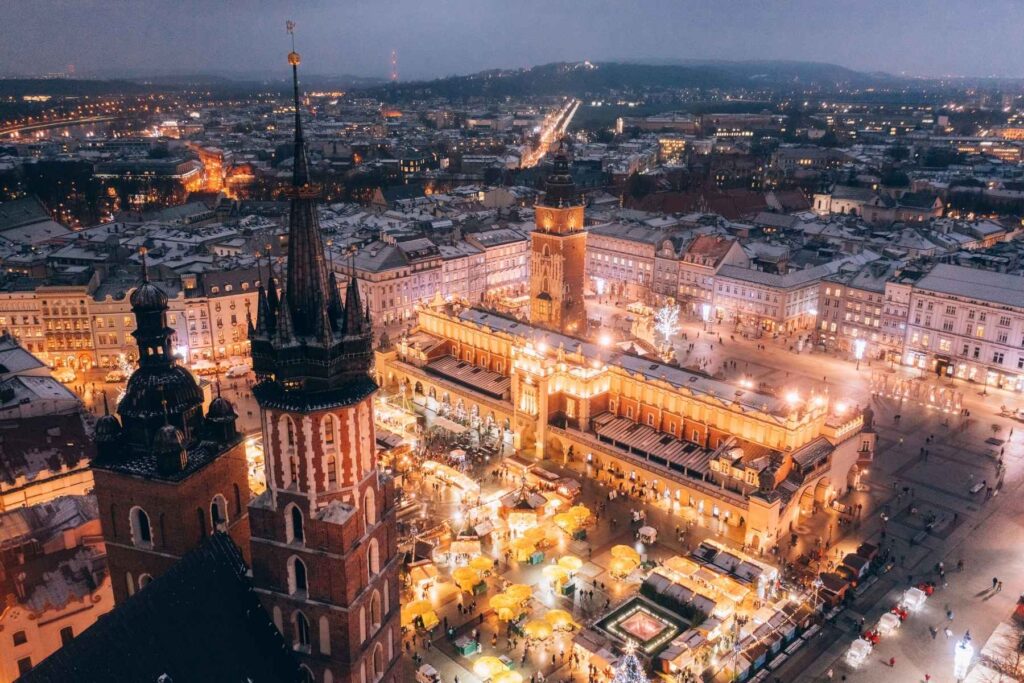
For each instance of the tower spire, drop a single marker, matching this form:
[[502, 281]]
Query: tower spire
[[307, 293]]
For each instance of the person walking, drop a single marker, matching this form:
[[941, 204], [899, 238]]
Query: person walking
[[994, 582], [892, 662]]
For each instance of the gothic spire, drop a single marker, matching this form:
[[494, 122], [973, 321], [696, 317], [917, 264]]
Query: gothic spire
[[308, 286]]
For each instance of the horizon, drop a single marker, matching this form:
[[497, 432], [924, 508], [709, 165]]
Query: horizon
[[104, 40]]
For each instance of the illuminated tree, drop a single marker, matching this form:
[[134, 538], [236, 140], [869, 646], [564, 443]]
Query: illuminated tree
[[629, 669], [666, 322]]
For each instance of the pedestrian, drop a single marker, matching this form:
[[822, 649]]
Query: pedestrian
[[999, 587], [934, 631], [948, 633], [949, 614], [829, 674], [994, 582], [892, 662]]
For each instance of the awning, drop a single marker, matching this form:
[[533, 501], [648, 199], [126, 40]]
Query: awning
[[449, 425]]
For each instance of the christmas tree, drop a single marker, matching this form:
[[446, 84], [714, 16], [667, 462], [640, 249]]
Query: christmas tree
[[629, 669]]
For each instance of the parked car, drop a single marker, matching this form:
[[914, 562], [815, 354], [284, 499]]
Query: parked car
[[237, 371], [427, 674], [65, 375]]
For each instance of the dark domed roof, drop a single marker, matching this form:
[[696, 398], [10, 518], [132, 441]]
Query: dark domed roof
[[149, 387], [107, 429], [168, 439], [221, 409], [148, 297]]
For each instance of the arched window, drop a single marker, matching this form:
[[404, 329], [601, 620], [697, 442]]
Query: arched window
[[130, 583], [238, 499], [301, 624], [201, 516], [296, 576], [375, 612], [369, 507], [295, 533], [373, 557], [362, 624], [306, 674], [219, 513], [328, 676], [144, 580], [328, 429], [142, 534], [293, 470], [378, 662], [325, 639]]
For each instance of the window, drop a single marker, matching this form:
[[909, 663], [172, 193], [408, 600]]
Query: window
[[218, 513], [301, 631], [329, 430], [332, 471], [295, 531], [950, 310], [144, 580], [296, 576], [24, 665], [67, 634], [369, 507], [20, 638], [650, 419], [979, 331], [1004, 321], [142, 534], [373, 557], [1002, 336], [375, 611], [997, 357]]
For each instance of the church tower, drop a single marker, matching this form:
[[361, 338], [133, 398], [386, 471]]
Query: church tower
[[558, 255], [166, 477], [324, 539]]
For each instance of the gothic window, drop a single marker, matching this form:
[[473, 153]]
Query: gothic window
[[301, 624], [295, 532], [297, 583], [328, 423], [325, 640], [369, 507], [373, 557], [130, 583], [218, 513], [387, 596], [306, 675], [142, 534], [378, 662], [144, 580], [375, 612]]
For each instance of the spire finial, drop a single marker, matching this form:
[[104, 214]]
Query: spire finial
[[145, 269]]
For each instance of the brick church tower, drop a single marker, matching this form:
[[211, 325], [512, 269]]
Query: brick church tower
[[558, 255], [324, 555], [166, 476]]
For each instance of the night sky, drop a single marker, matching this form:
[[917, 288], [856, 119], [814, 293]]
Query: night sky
[[443, 37]]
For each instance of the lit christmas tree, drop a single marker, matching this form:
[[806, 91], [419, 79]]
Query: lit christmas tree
[[629, 669]]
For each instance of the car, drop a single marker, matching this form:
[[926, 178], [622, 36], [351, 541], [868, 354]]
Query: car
[[64, 375], [240, 370], [427, 674], [115, 376]]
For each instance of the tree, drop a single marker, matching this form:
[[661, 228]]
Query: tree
[[629, 669]]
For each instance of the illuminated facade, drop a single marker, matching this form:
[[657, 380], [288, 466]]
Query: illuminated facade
[[748, 461], [559, 255]]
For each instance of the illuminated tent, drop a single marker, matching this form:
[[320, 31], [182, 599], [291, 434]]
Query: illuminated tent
[[418, 608], [620, 567], [570, 563], [625, 552], [559, 619], [488, 667], [580, 513], [482, 563], [507, 677], [566, 522], [522, 548], [537, 535], [466, 578], [503, 606], [555, 575], [537, 629], [519, 592]]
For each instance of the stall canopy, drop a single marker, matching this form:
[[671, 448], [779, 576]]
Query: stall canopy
[[449, 425]]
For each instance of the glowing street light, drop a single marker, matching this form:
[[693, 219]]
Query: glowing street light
[[792, 397], [605, 340]]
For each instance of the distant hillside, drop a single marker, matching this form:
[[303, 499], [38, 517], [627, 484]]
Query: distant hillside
[[16, 87], [584, 78]]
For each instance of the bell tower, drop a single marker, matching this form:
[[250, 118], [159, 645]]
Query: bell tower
[[324, 538], [558, 255]]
